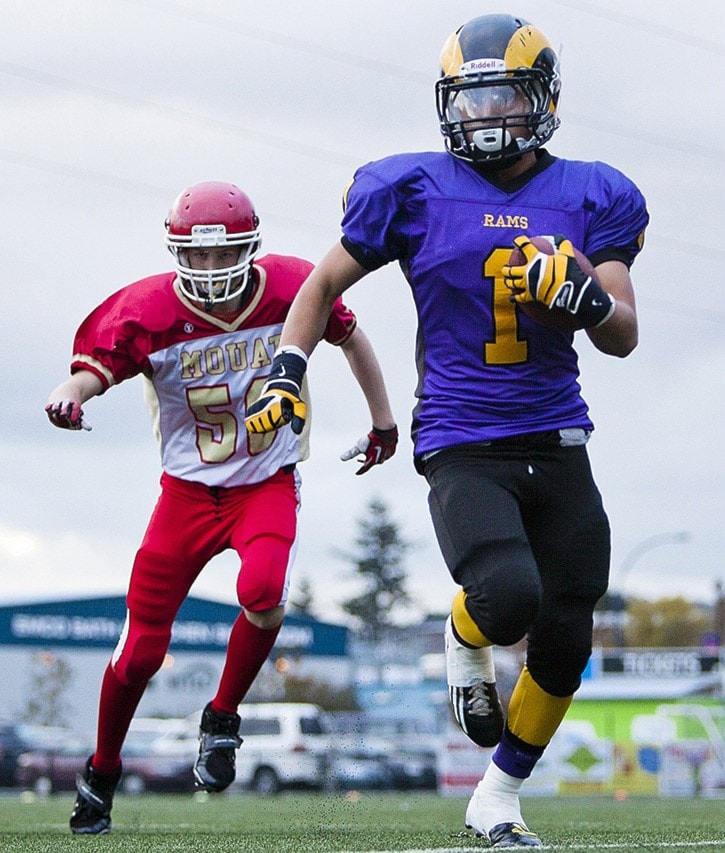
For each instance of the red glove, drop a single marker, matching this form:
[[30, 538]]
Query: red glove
[[375, 447], [66, 415]]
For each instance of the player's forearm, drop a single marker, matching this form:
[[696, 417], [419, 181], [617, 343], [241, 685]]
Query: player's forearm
[[307, 318], [366, 369], [310, 311], [79, 388], [619, 335]]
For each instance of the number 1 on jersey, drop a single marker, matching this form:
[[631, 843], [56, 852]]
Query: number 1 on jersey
[[506, 347]]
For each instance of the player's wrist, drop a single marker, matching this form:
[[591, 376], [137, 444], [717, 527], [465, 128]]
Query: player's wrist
[[288, 370], [610, 312], [597, 308], [386, 434]]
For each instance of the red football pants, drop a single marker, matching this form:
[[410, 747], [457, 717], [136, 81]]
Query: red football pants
[[192, 523]]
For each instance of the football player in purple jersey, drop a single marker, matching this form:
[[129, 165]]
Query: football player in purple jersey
[[499, 427]]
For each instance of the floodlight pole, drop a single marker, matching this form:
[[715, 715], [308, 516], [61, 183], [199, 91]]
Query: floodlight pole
[[643, 547]]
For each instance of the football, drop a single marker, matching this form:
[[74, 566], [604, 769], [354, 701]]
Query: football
[[552, 318]]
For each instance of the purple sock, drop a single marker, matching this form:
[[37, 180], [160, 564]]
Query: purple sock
[[515, 757]]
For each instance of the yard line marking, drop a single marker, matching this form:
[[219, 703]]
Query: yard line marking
[[629, 845]]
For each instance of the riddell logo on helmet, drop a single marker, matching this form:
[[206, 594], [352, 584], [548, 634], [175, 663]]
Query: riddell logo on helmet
[[207, 230], [477, 66]]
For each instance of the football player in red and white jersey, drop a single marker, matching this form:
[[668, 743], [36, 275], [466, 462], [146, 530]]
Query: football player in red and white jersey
[[203, 338]]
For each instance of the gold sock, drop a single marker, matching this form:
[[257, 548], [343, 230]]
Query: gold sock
[[464, 626], [534, 715]]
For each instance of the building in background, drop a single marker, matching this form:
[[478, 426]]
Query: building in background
[[53, 654]]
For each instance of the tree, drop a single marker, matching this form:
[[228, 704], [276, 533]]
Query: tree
[[328, 697], [303, 600], [50, 679], [667, 622], [379, 563]]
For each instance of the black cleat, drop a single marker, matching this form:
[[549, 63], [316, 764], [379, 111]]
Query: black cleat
[[91, 813], [478, 712], [219, 739], [474, 699], [513, 835]]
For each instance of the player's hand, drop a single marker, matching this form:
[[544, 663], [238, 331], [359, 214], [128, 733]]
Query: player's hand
[[374, 448], [66, 414], [273, 410], [280, 402], [558, 281]]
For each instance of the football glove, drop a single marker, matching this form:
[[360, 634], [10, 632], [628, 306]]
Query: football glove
[[280, 403], [375, 447], [66, 415], [558, 282]]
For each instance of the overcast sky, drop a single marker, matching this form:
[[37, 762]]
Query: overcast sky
[[111, 107]]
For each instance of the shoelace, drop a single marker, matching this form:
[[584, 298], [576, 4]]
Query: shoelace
[[479, 701]]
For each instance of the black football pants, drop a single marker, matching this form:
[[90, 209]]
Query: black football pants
[[523, 531]]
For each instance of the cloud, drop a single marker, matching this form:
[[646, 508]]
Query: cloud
[[112, 108]]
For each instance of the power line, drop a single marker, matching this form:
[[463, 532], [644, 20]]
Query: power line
[[650, 26], [103, 179], [164, 193], [110, 95], [77, 172], [350, 59], [344, 57], [659, 139]]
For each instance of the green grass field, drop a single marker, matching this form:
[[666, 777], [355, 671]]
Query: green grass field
[[366, 822]]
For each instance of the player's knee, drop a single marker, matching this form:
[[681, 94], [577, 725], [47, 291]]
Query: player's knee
[[502, 610], [560, 674], [259, 594], [136, 662], [271, 617], [559, 651], [260, 584]]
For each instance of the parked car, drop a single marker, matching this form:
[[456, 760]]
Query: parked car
[[369, 761], [145, 768], [412, 768], [285, 745], [12, 744], [357, 764], [38, 736]]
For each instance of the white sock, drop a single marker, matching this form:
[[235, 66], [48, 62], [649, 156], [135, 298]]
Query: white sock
[[486, 662], [495, 780], [466, 666], [495, 800]]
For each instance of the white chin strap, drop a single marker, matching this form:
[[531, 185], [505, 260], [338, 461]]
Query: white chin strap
[[491, 140]]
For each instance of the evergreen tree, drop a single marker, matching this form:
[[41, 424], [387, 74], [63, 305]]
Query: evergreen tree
[[303, 599], [51, 677], [378, 562]]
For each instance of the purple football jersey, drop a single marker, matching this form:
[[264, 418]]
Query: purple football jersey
[[485, 369]]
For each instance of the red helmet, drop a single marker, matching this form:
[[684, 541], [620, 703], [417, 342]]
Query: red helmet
[[210, 214]]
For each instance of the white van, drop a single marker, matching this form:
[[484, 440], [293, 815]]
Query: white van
[[285, 745]]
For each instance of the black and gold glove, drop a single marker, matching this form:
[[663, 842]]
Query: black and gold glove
[[558, 281], [280, 402]]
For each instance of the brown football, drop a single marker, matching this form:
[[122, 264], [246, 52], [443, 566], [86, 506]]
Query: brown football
[[553, 318]]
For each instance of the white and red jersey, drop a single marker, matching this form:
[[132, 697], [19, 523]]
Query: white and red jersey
[[203, 371]]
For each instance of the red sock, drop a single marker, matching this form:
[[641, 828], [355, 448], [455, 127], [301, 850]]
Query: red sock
[[116, 708], [248, 649]]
